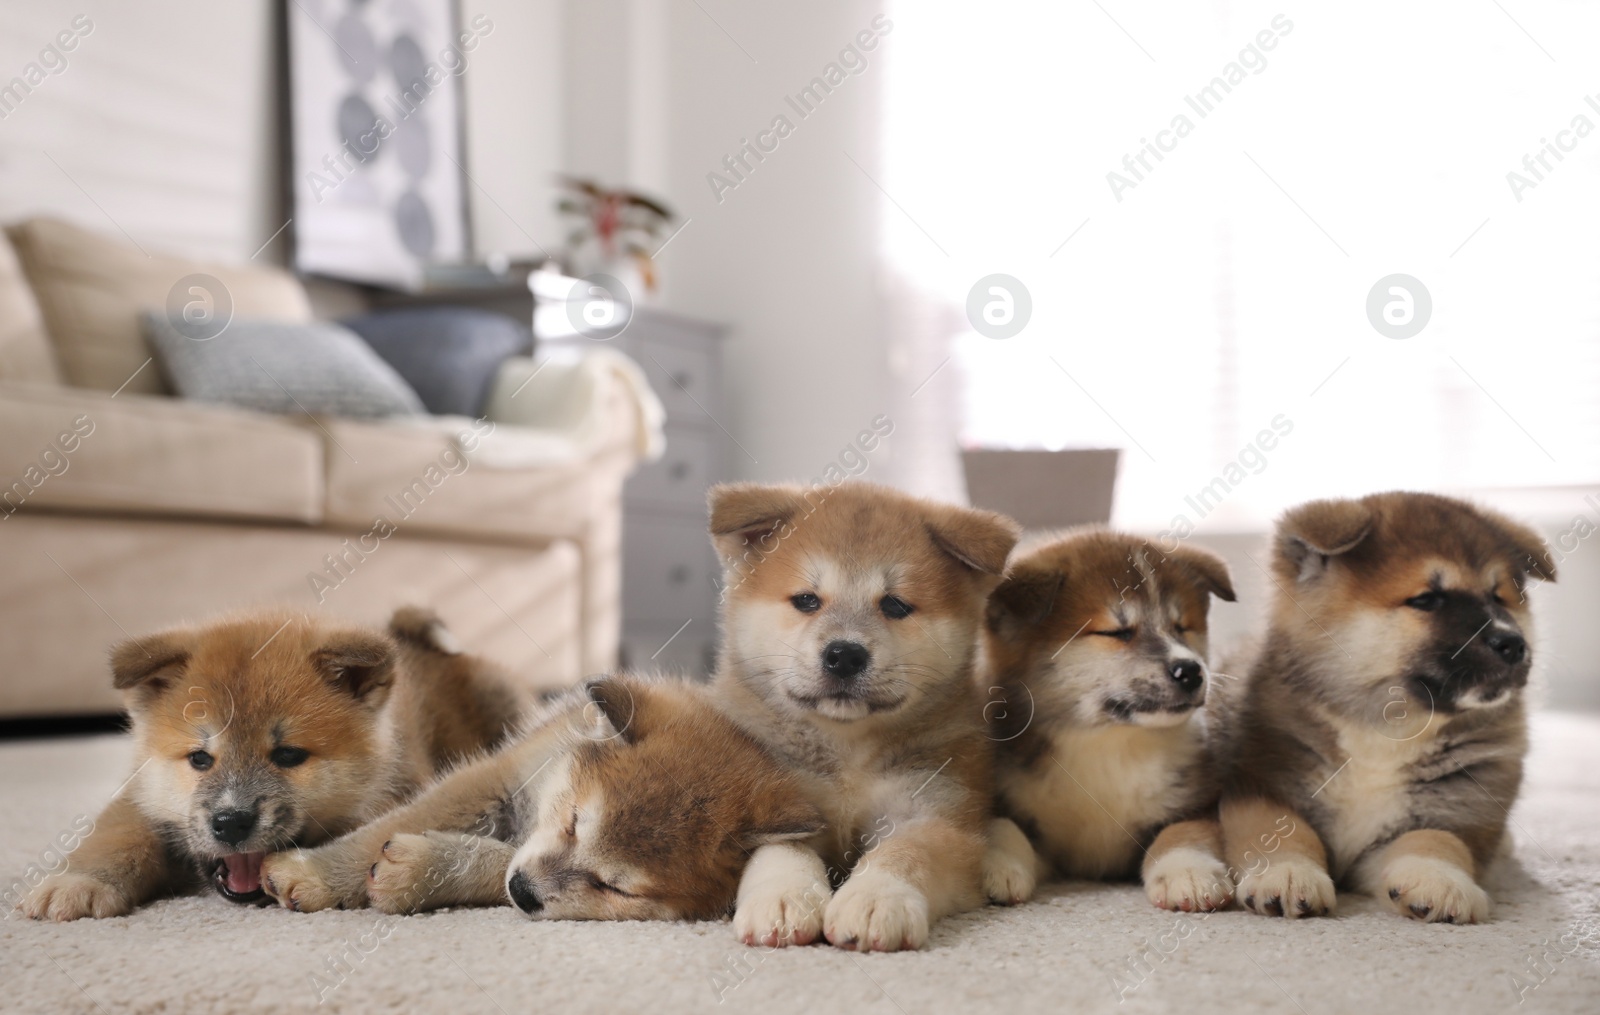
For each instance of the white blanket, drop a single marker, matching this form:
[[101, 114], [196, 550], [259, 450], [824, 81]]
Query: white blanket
[[551, 410]]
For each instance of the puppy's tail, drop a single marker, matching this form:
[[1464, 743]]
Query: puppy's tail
[[422, 628]]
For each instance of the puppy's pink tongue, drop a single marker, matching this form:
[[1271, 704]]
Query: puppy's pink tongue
[[244, 872]]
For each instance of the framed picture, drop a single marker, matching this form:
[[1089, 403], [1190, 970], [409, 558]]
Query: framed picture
[[375, 136]]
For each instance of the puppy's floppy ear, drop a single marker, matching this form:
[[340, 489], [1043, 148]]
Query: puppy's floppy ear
[[357, 662], [979, 540], [752, 516], [1023, 599], [1528, 549], [1209, 569], [1311, 533], [147, 662], [614, 711]]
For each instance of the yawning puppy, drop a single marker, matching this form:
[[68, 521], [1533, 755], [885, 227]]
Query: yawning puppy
[[1383, 729], [1095, 649], [626, 799], [849, 626], [267, 730]]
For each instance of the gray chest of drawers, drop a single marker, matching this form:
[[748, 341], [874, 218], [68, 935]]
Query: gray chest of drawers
[[669, 572]]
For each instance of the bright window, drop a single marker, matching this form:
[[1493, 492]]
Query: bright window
[[1228, 286]]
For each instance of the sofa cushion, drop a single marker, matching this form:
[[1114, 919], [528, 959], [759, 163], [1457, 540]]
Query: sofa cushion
[[450, 355], [81, 450], [422, 476], [281, 368], [25, 353], [91, 288]]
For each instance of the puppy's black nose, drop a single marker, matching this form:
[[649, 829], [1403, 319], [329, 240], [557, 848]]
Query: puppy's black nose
[[1187, 674], [233, 827], [521, 891], [844, 659], [1512, 648]]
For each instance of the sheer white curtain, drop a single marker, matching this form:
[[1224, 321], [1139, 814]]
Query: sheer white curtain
[[1223, 287]]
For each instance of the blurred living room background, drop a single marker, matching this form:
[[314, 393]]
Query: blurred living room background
[[549, 269]]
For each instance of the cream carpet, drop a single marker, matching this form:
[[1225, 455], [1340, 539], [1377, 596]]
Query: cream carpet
[[1074, 950]]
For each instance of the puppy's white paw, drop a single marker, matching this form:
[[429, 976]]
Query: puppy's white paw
[[70, 896], [876, 911], [405, 874], [1010, 866], [1189, 880], [782, 897], [1434, 891], [1007, 879], [298, 880], [775, 916], [1291, 886]]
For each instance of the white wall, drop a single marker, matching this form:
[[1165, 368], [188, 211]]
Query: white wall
[[789, 258], [516, 141], [164, 124]]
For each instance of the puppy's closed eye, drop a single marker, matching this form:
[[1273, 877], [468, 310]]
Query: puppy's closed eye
[[1427, 602], [1122, 634]]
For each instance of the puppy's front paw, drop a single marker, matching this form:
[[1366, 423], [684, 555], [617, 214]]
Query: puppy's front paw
[[876, 911], [1189, 880], [70, 896], [1434, 891], [299, 881], [774, 916], [1007, 878], [406, 873], [1290, 886]]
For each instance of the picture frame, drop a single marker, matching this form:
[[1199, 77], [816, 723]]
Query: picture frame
[[375, 143]]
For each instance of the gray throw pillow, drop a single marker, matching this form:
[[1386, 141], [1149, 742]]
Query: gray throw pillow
[[449, 355], [273, 366]]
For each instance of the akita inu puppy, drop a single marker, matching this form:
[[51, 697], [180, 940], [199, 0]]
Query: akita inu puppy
[[626, 799], [267, 730], [849, 627], [1095, 650], [1383, 731]]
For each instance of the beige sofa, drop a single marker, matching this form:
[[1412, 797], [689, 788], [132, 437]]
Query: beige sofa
[[124, 509]]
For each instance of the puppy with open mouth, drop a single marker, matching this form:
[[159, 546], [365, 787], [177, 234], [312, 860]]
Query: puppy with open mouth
[[266, 730], [1095, 650], [1382, 731], [850, 624]]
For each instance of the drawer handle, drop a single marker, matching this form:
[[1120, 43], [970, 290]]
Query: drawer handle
[[678, 574], [678, 470]]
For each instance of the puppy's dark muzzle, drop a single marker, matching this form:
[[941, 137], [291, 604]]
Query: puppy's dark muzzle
[[844, 660], [1511, 648], [1188, 674], [520, 888]]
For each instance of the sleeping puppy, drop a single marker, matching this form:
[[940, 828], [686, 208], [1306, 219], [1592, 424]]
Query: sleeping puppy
[[626, 799], [1383, 729], [265, 730], [1095, 647], [849, 626]]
